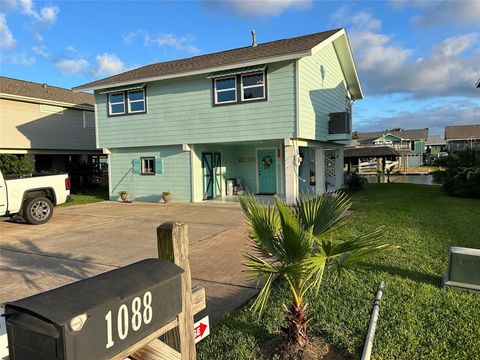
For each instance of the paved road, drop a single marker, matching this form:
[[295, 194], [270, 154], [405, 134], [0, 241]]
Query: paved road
[[85, 240]]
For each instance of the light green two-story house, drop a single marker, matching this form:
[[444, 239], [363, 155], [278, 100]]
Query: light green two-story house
[[270, 118]]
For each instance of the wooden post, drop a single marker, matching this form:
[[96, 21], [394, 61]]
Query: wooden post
[[173, 245], [175, 340], [383, 168]]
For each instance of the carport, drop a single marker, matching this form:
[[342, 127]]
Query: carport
[[380, 153]]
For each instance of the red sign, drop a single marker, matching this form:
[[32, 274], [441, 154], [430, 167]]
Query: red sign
[[201, 329]]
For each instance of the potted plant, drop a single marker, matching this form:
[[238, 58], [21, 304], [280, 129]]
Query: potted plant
[[166, 196], [123, 194]]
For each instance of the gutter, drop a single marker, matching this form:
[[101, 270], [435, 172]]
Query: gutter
[[46, 102]]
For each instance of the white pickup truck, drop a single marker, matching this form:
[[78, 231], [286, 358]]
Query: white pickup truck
[[33, 196]]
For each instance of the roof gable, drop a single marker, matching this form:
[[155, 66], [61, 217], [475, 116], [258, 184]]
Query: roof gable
[[274, 51], [389, 137]]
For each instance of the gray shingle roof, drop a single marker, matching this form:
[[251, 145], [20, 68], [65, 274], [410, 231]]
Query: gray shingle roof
[[222, 58], [435, 140], [370, 151], [462, 132], [44, 91], [411, 134]]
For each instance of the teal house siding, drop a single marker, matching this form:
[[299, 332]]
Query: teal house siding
[[322, 90], [176, 175], [180, 111], [238, 161]]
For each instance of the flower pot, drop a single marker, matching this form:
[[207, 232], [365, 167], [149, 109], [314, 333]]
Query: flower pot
[[124, 196], [166, 198]]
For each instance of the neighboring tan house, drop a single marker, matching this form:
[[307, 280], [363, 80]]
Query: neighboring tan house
[[259, 117], [410, 144], [52, 126], [462, 137]]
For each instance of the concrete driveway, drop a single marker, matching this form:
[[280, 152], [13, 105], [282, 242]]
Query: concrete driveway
[[84, 240]]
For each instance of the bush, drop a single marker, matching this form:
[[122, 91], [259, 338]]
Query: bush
[[355, 182], [461, 174], [14, 165]]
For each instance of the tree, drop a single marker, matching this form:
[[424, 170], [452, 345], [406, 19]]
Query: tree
[[354, 135], [459, 174], [14, 165], [296, 242]]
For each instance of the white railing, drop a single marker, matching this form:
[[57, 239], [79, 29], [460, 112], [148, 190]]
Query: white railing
[[330, 171]]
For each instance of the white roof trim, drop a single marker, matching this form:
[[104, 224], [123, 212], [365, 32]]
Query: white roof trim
[[44, 101], [199, 72], [354, 87]]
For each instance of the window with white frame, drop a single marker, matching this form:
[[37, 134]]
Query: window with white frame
[[225, 90], [136, 101], [148, 165], [253, 86], [88, 119], [116, 103]]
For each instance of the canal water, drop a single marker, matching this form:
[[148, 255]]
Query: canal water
[[411, 179]]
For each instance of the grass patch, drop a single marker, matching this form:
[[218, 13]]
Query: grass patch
[[89, 196], [418, 319]]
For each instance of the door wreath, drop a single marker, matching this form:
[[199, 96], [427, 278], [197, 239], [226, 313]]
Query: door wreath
[[267, 161]]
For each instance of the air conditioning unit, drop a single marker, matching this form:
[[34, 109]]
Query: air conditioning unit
[[463, 269], [339, 123]]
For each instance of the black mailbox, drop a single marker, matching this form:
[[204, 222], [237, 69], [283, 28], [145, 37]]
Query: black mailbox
[[95, 318]]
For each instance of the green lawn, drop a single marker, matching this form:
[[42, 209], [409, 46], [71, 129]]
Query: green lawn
[[418, 318], [89, 196]]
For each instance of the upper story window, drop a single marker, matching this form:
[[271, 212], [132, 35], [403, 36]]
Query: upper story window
[[241, 87], [88, 119], [127, 102], [225, 90], [136, 101], [116, 104], [253, 86]]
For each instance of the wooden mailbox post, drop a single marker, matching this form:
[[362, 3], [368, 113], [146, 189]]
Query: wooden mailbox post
[[175, 340]]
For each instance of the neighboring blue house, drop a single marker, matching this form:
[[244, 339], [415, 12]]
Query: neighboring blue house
[[265, 115]]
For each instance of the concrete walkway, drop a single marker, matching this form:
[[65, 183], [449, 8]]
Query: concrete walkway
[[85, 240]]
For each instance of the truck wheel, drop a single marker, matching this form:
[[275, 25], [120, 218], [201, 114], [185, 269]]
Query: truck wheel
[[38, 210]]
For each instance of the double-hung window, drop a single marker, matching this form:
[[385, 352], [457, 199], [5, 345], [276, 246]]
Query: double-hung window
[[127, 102], [116, 103], [226, 90], [148, 165], [136, 101], [239, 87], [253, 86]]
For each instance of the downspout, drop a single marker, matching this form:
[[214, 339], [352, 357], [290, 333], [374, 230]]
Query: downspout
[[367, 349], [297, 99]]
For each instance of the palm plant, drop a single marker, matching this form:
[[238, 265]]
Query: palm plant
[[297, 243]]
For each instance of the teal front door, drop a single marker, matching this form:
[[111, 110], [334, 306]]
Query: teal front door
[[267, 171], [212, 175]]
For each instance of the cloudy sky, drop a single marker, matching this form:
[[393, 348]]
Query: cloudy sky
[[418, 60]]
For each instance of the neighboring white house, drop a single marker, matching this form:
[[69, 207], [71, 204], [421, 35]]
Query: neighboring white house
[[52, 126]]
